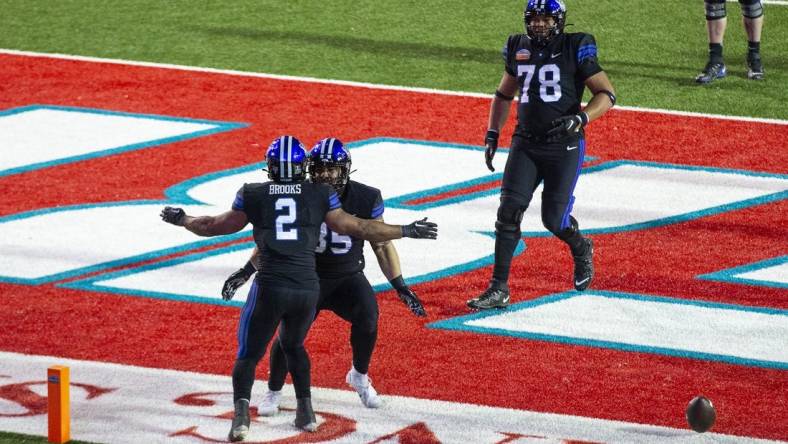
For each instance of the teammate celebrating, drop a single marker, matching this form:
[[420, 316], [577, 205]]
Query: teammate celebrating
[[549, 69], [286, 214], [343, 287]]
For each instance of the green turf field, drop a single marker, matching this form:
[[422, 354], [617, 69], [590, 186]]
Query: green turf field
[[651, 49]]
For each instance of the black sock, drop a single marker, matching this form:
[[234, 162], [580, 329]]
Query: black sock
[[715, 52], [505, 244], [753, 47], [278, 367], [362, 341], [243, 378], [299, 368]]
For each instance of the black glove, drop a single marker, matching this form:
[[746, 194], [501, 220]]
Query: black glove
[[490, 144], [173, 215], [566, 125], [408, 297], [236, 280], [421, 229]]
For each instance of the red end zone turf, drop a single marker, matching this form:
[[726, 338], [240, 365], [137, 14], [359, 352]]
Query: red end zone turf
[[455, 366]]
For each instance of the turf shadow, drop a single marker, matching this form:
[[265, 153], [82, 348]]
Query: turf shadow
[[399, 50]]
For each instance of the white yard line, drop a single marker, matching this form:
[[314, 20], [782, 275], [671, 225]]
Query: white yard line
[[356, 84]]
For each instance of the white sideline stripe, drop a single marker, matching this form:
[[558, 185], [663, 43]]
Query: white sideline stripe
[[357, 84]]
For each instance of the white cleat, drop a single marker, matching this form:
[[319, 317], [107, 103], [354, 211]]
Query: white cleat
[[270, 404], [363, 386]]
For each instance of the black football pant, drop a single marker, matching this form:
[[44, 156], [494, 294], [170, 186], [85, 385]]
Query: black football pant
[[556, 165], [352, 299], [266, 308]]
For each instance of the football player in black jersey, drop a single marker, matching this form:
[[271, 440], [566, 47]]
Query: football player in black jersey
[[548, 69], [286, 215], [343, 287]]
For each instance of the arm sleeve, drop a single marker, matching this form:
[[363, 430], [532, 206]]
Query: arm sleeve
[[377, 207], [587, 62], [238, 203]]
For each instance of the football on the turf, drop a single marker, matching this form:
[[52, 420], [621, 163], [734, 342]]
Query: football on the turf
[[700, 414]]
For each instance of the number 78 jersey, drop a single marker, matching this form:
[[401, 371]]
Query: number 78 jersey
[[551, 78], [286, 220]]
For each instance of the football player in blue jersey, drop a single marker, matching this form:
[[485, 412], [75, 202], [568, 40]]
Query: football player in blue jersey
[[548, 69], [340, 263], [286, 214]]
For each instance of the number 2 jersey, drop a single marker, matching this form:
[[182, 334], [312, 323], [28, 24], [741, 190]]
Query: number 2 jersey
[[286, 220], [342, 255], [551, 79]]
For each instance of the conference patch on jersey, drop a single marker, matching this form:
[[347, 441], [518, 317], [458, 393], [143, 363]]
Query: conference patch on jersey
[[135, 404], [676, 327], [38, 136]]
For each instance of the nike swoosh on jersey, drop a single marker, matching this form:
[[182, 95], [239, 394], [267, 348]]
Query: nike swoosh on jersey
[[552, 56], [570, 148], [582, 281]]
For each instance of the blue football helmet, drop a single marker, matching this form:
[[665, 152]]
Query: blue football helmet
[[330, 153], [287, 160], [549, 8]]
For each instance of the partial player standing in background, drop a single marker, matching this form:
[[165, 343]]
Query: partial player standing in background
[[344, 289], [286, 214], [716, 22], [550, 70]]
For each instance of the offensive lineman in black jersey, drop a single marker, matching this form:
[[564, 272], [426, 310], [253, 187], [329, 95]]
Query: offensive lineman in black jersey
[[549, 69], [286, 214], [343, 287]]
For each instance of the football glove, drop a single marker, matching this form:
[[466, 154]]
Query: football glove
[[236, 280], [408, 297], [173, 215], [566, 125], [420, 229], [490, 146]]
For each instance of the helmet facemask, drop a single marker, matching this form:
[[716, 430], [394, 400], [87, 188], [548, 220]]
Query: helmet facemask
[[542, 35], [329, 172], [329, 163]]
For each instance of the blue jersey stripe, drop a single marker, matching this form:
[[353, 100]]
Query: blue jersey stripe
[[377, 211], [333, 201], [238, 203], [586, 52]]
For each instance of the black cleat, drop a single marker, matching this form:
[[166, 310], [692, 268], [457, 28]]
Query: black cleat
[[712, 71], [240, 427], [754, 66], [491, 298], [305, 416], [584, 266]]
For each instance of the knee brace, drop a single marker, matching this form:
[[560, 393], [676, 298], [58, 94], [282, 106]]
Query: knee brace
[[715, 9], [510, 216], [570, 231], [751, 9]]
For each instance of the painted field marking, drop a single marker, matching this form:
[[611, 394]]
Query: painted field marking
[[355, 84], [736, 334], [164, 406], [40, 136], [769, 273]]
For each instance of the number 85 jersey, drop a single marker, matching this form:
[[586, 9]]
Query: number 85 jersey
[[341, 255], [551, 78]]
